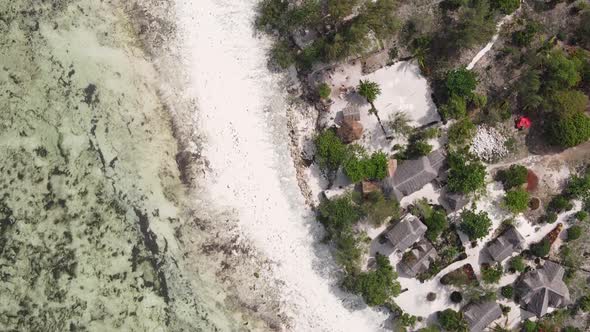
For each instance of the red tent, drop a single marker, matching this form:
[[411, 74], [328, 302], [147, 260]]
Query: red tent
[[523, 122]]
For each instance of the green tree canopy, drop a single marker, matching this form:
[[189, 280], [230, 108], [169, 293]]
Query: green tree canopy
[[324, 90], [506, 6], [569, 130], [461, 82], [466, 174], [330, 151], [452, 321], [517, 200], [491, 274], [475, 225], [513, 176], [378, 286], [369, 90], [541, 249], [338, 214], [461, 131], [436, 223], [561, 72], [568, 102], [574, 233], [360, 167]]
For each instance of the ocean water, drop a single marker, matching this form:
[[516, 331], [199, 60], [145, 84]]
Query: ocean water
[[92, 203]]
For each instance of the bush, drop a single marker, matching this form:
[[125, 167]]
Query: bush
[[571, 329], [465, 175], [456, 297], [541, 249], [517, 200], [348, 252], [338, 214], [574, 233], [377, 286], [452, 321], [514, 176], [550, 217], [578, 186], [455, 108], [523, 38], [507, 292], [559, 203], [584, 303], [369, 90], [324, 91], [581, 215], [566, 102], [561, 72], [378, 208], [491, 274], [506, 6], [417, 148], [436, 224], [529, 326], [570, 130], [282, 55], [461, 82], [461, 131], [330, 151], [517, 263], [475, 225], [359, 167]]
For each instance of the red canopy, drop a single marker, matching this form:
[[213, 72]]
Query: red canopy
[[523, 122]]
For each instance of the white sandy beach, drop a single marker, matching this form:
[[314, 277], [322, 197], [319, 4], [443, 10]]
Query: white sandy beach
[[242, 110]]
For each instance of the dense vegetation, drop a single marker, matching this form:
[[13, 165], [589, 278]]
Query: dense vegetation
[[336, 36], [517, 200], [513, 176], [452, 321], [475, 225], [332, 154], [376, 286], [466, 173]]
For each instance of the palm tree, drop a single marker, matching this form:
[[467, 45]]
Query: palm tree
[[369, 90]]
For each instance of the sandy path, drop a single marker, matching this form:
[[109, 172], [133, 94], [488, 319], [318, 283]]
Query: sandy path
[[242, 111]]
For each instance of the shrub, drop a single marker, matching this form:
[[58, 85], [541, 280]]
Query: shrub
[[377, 286], [561, 72], [517, 263], [570, 130], [517, 200], [584, 303], [559, 203], [378, 208], [338, 214], [348, 251], [475, 225], [359, 167], [571, 329], [330, 151], [452, 321], [491, 274], [578, 186], [523, 38], [465, 175], [581, 215], [507, 292], [436, 224], [455, 108], [507, 6], [514, 176], [541, 249], [461, 82], [431, 296], [550, 217], [282, 55], [529, 326], [574, 233], [461, 131], [566, 102], [324, 91], [456, 297], [417, 148]]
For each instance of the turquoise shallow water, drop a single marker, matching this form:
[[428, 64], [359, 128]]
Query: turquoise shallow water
[[91, 198]]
